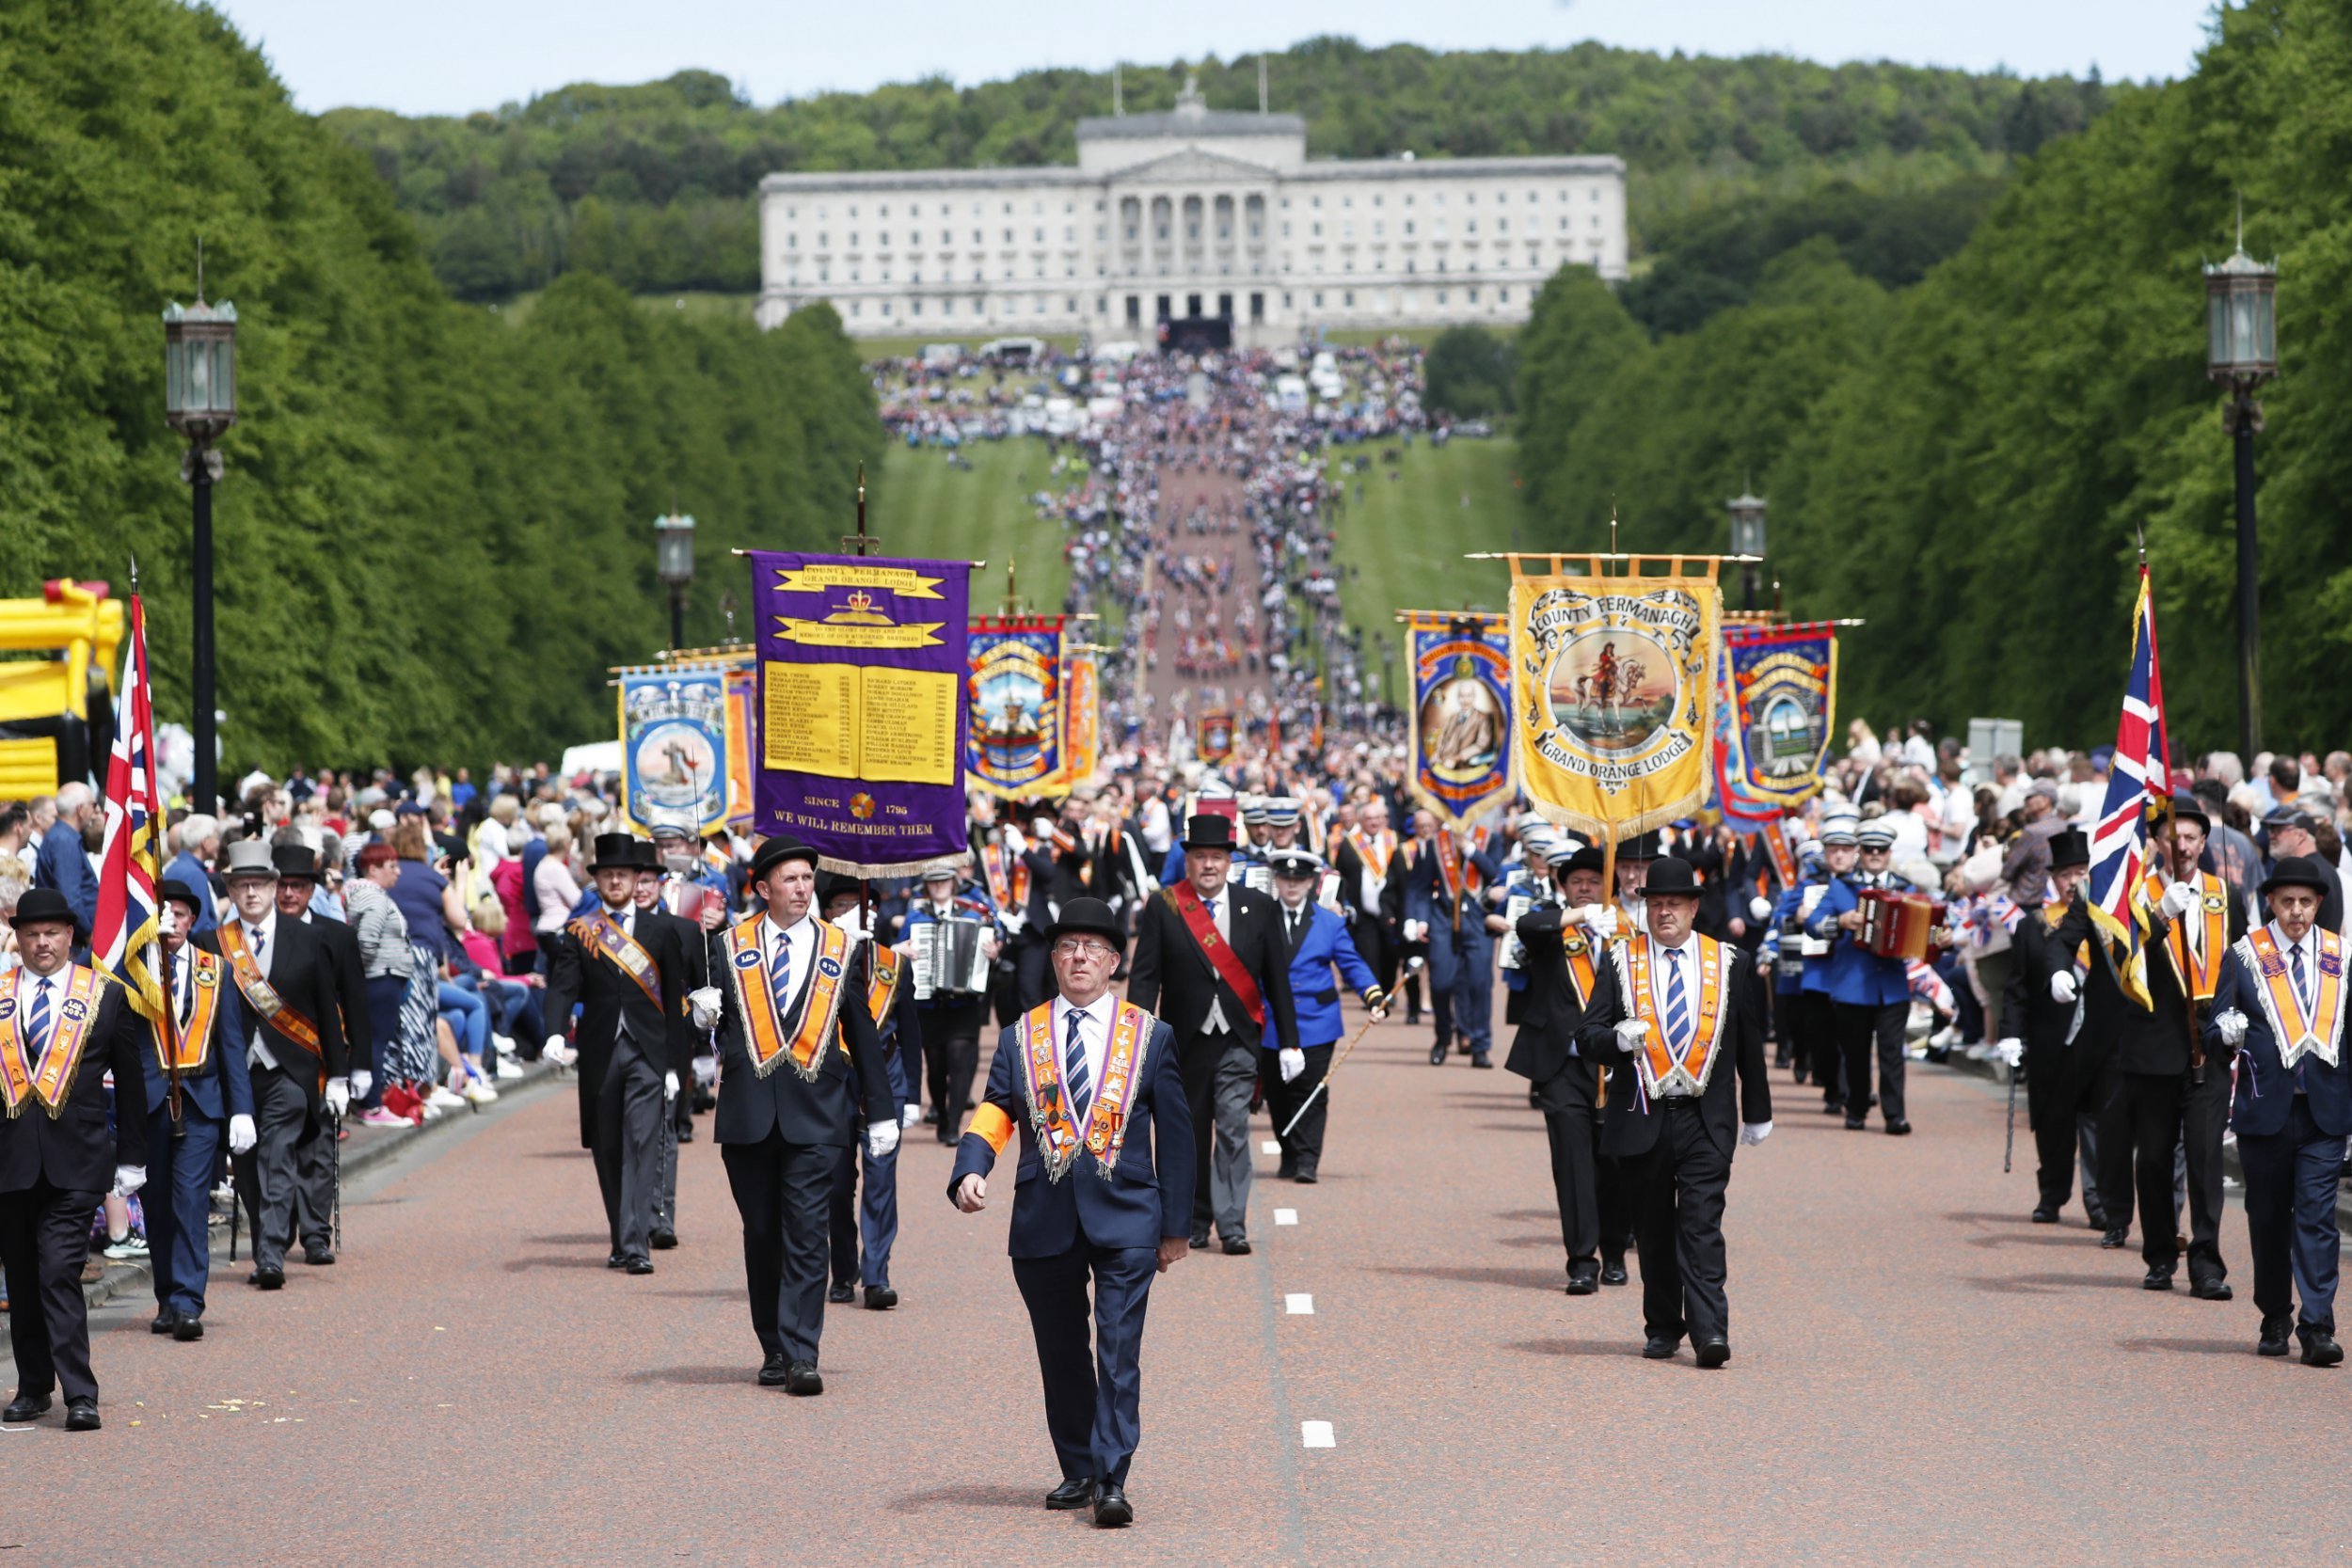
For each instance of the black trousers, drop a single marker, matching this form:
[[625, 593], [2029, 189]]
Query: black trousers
[[783, 1192], [1860, 1030], [1032, 975], [1817, 1027], [2063, 1100], [1378, 951], [290, 1171], [1679, 1188], [2291, 1181], [1595, 1217], [1094, 1405], [951, 1054], [631, 1120], [1302, 1151], [2167, 1114], [44, 1240]]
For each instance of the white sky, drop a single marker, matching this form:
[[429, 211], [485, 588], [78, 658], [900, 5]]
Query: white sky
[[451, 56]]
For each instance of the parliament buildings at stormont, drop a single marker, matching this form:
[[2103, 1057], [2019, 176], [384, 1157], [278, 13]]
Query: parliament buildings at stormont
[[1191, 214]]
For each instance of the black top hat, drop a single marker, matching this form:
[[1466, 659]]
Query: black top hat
[[2294, 871], [1089, 917], [42, 904], [2069, 849], [175, 890], [1205, 831], [294, 859], [616, 852], [2189, 808], [774, 851], [1671, 877]]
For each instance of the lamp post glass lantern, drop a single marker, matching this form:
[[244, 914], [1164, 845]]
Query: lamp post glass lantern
[[674, 563], [2241, 353], [200, 403], [1747, 535]]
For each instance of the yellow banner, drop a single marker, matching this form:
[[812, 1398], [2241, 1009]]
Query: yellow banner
[[1615, 688]]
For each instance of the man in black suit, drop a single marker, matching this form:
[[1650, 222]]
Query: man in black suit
[[1100, 1073], [63, 1027], [692, 937], [1667, 1010], [300, 1090], [2067, 1053], [1567, 944], [792, 1026], [627, 970], [347, 972], [1211, 960]]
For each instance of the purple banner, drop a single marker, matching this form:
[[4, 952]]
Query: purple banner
[[861, 707]]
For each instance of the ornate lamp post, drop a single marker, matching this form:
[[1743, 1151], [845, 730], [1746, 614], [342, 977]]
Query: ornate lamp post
[[674, 563], [2241, 353], [1747, 536], [200, 403]]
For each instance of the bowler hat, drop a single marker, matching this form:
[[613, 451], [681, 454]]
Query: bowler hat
[[773, 852], [832, 885], [2294, 871], [1671, 876], [175, 890], [1207, 830], [42, 906], [1089, 917], [2069, 849], [247, 857], [1566, 860], [294, 859], [1640, 847], [616, 852], [2189, 808]]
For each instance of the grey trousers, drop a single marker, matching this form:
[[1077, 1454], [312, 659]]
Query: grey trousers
[[292, 1166], [665, 1206], [631, 1116], [1232, 1165]]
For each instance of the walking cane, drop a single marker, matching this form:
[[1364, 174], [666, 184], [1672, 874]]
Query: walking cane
[[2008, 1144], [1326, 1083]]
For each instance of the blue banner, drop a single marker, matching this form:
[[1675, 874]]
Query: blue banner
[[673, 746], [1460, 717], [1784, 695]]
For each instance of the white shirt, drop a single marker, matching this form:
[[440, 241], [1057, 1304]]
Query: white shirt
[[260, 939], [2309, 947], [1220, 910], [1094, 1034], [41, 984]]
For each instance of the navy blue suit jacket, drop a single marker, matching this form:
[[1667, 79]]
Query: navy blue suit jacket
[[225, 1088], [2265, 1089], [1148, 1196]]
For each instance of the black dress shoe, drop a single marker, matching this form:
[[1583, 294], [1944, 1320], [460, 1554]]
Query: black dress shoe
[[1481, 1058], [1236, 1247], [686, 1133], [188, 1329], [267, 1278], [2046, 1216], [1898, 1129], [1856, 1124], [880, 1298], [1111, 1508], [2211, 1290], [319, 1258], [637, 1265], [2114, 1239], [665, 1240], [2277, 1333], [1584, 1279], [616, 1260], [2159, 1278], [1437, 1054], [1612, 1272], [1287, 1170], [164, 1322], [773, 1371], [1833, 1107], [1201, 1240], [1306, 1178], [1713, 1351], [841, 1295], [2319, 1349], [82, 1415], [25, 1407], [1078, 1492], [1659, 1348], [2096, 1219], [801, 1378]]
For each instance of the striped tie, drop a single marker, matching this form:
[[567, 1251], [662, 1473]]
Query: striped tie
[[36, 1034], [1677, 1003], [2302, 982], [780, 979], [1075, 1073]]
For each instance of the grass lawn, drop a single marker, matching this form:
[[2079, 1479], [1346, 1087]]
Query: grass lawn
[[919, 506], [1402, 544]]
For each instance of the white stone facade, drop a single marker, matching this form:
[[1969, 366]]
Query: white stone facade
[[1191, 213]]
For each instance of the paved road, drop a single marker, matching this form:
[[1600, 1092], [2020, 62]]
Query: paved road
[[1918, 1375]]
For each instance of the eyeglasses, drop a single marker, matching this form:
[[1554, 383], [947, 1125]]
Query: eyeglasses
[[1069, 948]]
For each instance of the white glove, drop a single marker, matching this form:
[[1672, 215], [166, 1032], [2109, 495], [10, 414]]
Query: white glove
[[909, 1116], [1760, 908], [2177, 901], [129, 1180], [852, 921], [337, 1097], [1417, 930], [2062, 986], [2012, 1050], [1630, 1033], [557, 1052], [242, 1135], [1291, 1063], [706, 1070], [882, 1138], [361, 1082], [1754, 1132], [1600, 921], [2231, 1024], [703, 1006], [669, 1086]]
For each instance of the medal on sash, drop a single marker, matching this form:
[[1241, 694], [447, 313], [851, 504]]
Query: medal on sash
[[763, 1035], [1057, 1137], [1664, 1064], [49, 1079], [195, 1037]]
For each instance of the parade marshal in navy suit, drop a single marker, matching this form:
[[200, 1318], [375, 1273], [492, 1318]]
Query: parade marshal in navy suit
[[2278, 1005], [1101, 1192]]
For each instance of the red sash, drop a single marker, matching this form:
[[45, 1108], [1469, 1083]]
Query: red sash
[[1202, 925]]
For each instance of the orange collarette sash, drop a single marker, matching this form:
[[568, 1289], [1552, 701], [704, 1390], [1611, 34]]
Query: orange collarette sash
[[881, 986], [1663, 1065], [1579, 952], [820, 999], [2214, 905], [194, 1039], [1058, 1140], [50, 1080], [602, 934], [2321, 1034], [1194, 912], [264, 996], [1376, 849]]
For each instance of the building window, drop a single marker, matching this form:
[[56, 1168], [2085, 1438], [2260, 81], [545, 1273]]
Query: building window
[[853, 238], [791, 213], [1348, 299], [854, 214], [1318, 202], [1286, 300], [857, 308], [1502, 295], [1375, 201], [1070, 305], [1440, 297], [885, 307], [915, 308], [1473, 296], [1135, 310], [1318, 299], [1257, 307], [1408, 229], [1102, 304]]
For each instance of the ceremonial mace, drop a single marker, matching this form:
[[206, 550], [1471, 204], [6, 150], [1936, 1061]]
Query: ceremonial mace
[[1336, 1064]]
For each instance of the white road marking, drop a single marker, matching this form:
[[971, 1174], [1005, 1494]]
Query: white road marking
[[1299, 1305], [1317, 1434], [1286, 1216], [1269, 1147]]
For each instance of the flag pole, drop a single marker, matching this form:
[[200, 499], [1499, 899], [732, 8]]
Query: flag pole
[[168, 1025]]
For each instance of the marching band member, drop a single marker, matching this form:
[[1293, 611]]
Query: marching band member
[[1316, 943], [1517, 892], [1870, 996], [864, 1231], [1440, 900], [951, 1015]]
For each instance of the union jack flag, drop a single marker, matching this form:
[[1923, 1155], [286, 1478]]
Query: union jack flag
[[127, 931], [2140, 777]]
